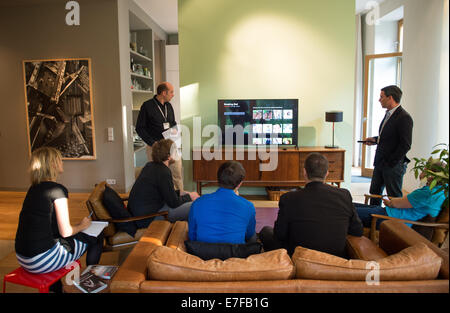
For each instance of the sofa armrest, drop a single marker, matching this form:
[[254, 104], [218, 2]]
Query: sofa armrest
[[396, 236], [363, 248], [133, 271]]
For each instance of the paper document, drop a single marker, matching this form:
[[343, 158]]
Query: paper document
[[95, 228], [174, 133]]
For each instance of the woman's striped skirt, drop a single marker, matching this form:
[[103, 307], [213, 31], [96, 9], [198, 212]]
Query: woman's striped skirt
[[53, 259]]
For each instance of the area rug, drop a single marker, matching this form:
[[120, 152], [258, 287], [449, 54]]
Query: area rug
[[265, 217]]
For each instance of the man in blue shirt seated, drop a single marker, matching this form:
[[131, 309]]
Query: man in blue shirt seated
[[414, 206], [223, 216]]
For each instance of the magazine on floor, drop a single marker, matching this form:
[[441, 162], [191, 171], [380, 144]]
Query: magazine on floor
[[102, 271], [90, 283]]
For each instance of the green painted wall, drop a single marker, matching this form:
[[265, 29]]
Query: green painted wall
[[301, 49]]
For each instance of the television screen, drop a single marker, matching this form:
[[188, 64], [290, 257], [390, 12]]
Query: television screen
[[261, 121]]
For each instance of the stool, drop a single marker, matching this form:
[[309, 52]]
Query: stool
[[40, 281]]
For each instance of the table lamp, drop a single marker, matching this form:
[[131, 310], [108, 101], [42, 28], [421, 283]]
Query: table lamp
[[333, 116]]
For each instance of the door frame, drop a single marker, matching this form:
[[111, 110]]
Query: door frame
[[367, 172]]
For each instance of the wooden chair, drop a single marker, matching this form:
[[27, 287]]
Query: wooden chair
[[114, 239], [434, 229]]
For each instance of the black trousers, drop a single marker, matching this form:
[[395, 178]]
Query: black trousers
[[269, 241], [389, 177], [94, 248]]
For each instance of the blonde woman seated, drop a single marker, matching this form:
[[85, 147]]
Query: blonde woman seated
[[45, 239]]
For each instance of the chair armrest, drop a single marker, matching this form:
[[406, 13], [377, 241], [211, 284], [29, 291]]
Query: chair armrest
[[363, 248], [137, 218], [368, 196], [377, 216], [437, 225]]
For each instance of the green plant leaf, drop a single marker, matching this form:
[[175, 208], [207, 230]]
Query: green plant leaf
[[433, 184]]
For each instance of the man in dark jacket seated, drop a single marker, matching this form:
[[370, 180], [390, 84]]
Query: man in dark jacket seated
[[154, 191], [317, 217]]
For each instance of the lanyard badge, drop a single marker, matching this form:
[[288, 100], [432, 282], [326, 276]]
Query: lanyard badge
[[166, 125]]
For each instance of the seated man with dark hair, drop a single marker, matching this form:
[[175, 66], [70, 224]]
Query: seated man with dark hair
[[317, 217], [223, 216], [154, 191]]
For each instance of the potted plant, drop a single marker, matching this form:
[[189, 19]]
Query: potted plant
[[439, 166]]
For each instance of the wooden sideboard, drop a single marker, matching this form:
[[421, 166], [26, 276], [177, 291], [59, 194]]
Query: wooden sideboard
[[288, 173]]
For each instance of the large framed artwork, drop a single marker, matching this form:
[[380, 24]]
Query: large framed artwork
[[59, 107]]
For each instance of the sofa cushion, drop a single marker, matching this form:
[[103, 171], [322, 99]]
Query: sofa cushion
[[175, 265], [417, 262], [116, 208]]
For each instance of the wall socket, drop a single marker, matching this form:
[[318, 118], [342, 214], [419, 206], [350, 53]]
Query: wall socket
[[111, 181]]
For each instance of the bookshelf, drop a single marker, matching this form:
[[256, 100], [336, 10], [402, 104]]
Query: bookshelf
[[142, 84]]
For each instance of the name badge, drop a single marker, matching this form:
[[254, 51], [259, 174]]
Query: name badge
[[166, 126]]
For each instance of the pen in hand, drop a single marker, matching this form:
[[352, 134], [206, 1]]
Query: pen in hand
[[90, 214]]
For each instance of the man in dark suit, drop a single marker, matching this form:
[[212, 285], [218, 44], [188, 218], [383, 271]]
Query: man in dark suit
[[394, 141], [317, 217]]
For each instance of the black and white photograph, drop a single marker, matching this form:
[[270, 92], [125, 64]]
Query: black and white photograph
[[59, 106]]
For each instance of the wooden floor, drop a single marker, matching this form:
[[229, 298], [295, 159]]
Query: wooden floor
[[11, 204]]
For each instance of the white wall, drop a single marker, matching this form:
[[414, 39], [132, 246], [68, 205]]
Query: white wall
[[425, 76], [173, 77]]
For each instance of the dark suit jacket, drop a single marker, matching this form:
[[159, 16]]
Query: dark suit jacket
[[395, 140], [317, 217]]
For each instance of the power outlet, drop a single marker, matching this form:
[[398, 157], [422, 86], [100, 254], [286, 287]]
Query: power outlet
[[111, 181]]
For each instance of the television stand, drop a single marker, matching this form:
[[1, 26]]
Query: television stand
[[288, 173]]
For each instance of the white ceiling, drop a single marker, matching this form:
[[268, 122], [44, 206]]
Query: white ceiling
[[165, 12]]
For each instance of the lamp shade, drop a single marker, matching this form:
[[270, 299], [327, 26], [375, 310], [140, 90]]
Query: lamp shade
[[334, 116]]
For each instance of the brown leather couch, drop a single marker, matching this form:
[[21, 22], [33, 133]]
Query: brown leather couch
[[397, 244]]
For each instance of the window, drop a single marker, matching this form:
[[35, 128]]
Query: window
[[400, 36]]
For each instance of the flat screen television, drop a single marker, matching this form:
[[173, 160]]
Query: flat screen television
[[259, 121]]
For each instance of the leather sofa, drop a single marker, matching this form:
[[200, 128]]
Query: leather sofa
[[165, 241]]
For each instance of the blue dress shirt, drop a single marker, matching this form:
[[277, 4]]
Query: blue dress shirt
[[221, 217]]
